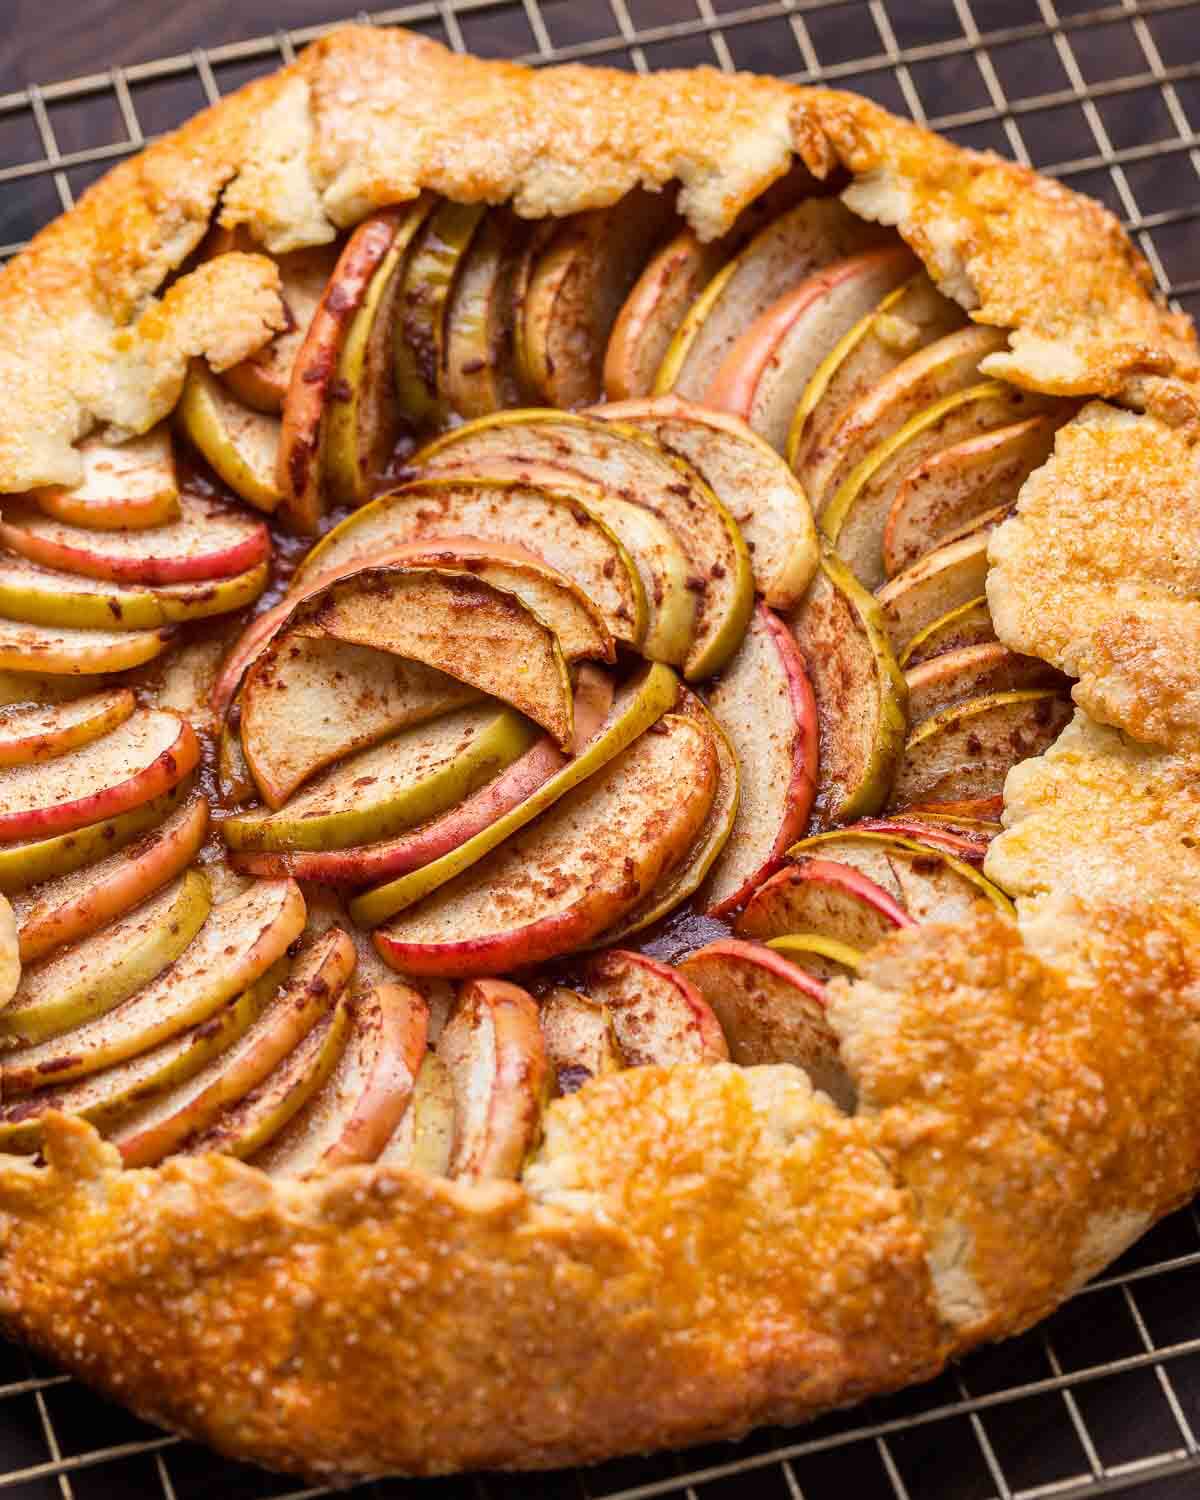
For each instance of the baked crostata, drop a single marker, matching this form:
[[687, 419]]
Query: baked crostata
[[600, 791]]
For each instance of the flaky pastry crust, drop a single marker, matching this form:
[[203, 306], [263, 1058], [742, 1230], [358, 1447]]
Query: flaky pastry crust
[[696, 1251]]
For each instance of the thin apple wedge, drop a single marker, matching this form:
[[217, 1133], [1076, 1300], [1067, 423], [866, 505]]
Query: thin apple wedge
[[952, 487], [552, 524], [967, 840], [576, 289], [32, 689], [860, 693], [791, 248], [767, 369], [10, 952], [239, 443], [125, 485], [973, 672], [579, 1039], [966, 751], [67, 909], [771, 1011], [979, 813], [101, 970], [749, 478], [764, 702], [424, 1138], [966, 626], [59, 652], [44, 732], [493, 1049], [823, 957], [139, 759], [578, 870], [826, 897], [658, 1015], [411, 778], [478, 374], [238, 943], [942, 581], [388, 859]]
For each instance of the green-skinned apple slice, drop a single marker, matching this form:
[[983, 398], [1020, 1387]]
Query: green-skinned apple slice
[[239, 443], [31, 689], [101, 970], [748, 477], [362, 415], [138, 760], [942, 581], [764, 703], [823, 896], [209, 540], [424, 1138], [576, 289], [44, 732], [966, 751], [768, 367], [771, 1011], [296, 1003], [493, 1048], [579, 1038], [967, 840], [578, 870], [823, 957], [125, 485], [554, 525], [478, 374], [658, 1015], [67, 909], [58, 651], [664, 569], [639, 704], [972, 672], [387, 859], [408, 779], [968, 625], [629, 464], [952, 487], [791, 248], [240, 941], [860, 693]]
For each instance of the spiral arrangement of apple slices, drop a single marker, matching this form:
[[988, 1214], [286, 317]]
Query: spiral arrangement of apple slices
[[674, 628]]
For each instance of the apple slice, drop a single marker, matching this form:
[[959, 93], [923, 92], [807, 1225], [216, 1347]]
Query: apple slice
[[631, 466], [907, 320], [980, 813], [125, 485], [240, 941], [577, 286], [478, 374], [139, 759], [209, 540], [44, 732], [235, 784], [29, 689], [658, 1015], [823, 896], [99, 972], [640, 703], [823, 957], [967, 750], [771, 1011], [390, 858], [408, 779], [790, 248], [10, 953], [748, 477], [57, 651], [942, 581], [966, 626], [579, 1039], [967, 840], [554, 525], [493, 1049], [768, 367], [577, 871], [764, 702], [952, 487], [861, 696], [664, 569], [69, 908], [361, 418], [239, 443], [424, 1138], [973, 672]]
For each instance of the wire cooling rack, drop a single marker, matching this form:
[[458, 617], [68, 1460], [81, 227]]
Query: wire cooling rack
[[1104, 1398]]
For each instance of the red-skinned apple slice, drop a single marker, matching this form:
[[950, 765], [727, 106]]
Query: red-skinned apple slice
[[493, 1048], [126, 485], [943, 580], [239, 443], [972, 672], [979, 813], [478, 374], [965, 626], [57, 651], [139, 759], [764, 702], [573, 873], [579, 1038], [45, 732], [825, 896], [69, 908], [424, 1138], [659, 1016], [965, 842]]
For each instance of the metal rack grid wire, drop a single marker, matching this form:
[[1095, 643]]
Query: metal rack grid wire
[[1106, 1395]]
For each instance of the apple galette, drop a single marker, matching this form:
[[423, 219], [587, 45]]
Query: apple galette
[[600, 794]]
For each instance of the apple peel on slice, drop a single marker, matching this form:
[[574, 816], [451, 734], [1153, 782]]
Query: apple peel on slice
[[424, 1138], [478, 373], [659, 1017], [124, 486], [823, 957], [972, 672], [58, 651], [967, 625], [45, 731], [824, 896], [239, 443]]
